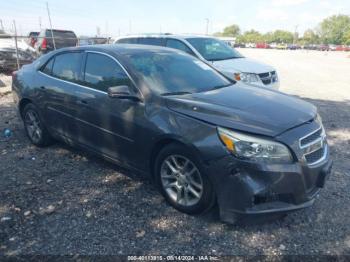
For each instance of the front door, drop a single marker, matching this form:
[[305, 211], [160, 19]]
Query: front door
[[107, 125]]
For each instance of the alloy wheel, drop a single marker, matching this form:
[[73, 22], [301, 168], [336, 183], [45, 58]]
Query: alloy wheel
[[181, 180], [33, 126]]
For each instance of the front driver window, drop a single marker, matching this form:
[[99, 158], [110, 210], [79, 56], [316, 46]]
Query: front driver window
[[172, 43], [102, 72]]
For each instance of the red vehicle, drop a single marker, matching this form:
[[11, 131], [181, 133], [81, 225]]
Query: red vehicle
[[33, 38], [342, 48], [262, 45]]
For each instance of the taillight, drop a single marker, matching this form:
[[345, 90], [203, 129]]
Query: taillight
[[44, 44]]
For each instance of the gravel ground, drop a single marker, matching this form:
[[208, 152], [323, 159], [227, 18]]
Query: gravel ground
[[59, 200]]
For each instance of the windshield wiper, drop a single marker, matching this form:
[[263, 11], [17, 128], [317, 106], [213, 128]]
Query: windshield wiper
[[226, 58], [176, 93], [221, 86]]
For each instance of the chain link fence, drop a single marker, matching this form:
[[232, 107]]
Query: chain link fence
[[18, 50]]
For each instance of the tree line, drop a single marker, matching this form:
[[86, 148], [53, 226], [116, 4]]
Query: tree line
[[332, 30]]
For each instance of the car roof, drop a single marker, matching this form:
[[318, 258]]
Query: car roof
[[178, 36], [121, 49]]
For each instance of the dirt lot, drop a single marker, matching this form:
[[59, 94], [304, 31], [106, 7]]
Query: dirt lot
[[59, 200]]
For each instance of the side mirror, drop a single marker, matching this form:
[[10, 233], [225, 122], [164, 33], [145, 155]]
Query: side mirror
[[122, 92]]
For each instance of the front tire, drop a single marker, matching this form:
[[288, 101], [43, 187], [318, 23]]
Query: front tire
[[35, 127], [181, 179]]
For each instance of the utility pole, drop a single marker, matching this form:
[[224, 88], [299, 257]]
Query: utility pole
[[129, 26], [295, 34], [48, 13], [106, 25], [17, 58], [207, 26], [2, 26], [40, 23]]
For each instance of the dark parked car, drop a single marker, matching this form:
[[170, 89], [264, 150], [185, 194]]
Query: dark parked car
[[323, 47], [293, 47], [49, 39], [202, 138]]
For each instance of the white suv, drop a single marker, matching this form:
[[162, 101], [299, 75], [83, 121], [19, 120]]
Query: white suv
[[216, 52]]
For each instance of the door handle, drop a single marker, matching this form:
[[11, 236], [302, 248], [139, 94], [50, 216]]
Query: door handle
[[84, 102]]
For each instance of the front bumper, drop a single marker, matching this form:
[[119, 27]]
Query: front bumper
[[252, 189]]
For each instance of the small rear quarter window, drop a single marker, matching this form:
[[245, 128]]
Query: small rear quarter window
[[47, 69]]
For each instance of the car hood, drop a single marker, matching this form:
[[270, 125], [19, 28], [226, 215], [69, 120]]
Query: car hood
[[245, 108], [245, 65]]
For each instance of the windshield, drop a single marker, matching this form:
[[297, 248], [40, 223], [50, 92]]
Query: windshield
[[174, 73], [213, 49]]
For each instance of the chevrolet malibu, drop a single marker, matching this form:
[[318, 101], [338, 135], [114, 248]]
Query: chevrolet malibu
[[202, 138]]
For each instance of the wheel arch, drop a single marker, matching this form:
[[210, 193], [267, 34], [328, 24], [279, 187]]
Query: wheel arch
[[163, 142], [22, 104]]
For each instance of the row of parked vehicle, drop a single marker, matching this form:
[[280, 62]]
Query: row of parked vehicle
[[319, 47], [208, 49], [48, 40], [38, 43], [190, 112]]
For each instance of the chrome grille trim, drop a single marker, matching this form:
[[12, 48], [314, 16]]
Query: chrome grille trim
[[323, 157], [301, 145], [268, 77], [313, 142]]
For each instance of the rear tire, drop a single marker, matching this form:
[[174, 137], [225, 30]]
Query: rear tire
[[35, 127], [181, 178]]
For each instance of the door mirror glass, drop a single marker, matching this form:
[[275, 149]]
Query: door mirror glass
[[122, 92]]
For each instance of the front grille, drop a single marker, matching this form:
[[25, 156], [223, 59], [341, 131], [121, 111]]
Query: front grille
[[268, 77], [314, 146], [315, 156], [311, 137]]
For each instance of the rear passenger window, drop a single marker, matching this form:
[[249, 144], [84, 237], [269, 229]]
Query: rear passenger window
[[127, 41], [102, 72], [151, 41], [67, 66], [47, 69], [172, 43]]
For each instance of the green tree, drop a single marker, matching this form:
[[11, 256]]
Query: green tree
[[310, 37], [268, 37], [346, 38], [334, 28], [251, 36], [281, 36], [232, 30]]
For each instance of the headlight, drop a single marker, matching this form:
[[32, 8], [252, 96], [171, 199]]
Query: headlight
[[253, 148], [247, 77]]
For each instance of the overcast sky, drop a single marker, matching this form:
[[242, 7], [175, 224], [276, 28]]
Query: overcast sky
[[116, 17]]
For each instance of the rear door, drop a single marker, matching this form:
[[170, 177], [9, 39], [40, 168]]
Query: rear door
[[58, 81]]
